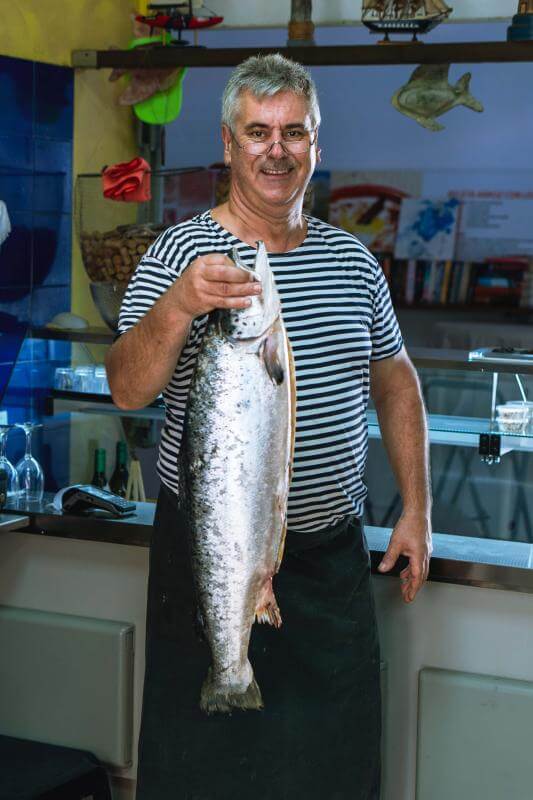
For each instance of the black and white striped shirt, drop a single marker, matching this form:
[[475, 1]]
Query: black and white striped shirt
[[338, 314]]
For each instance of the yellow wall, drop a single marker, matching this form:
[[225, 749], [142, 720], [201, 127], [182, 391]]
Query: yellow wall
[[48, 30]]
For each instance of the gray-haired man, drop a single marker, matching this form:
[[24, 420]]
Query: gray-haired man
[[319, 734]]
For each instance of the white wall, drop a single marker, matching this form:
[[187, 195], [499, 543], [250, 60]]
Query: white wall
[[360, 128], [341, 12]]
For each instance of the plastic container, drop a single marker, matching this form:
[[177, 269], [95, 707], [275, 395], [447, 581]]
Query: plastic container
[[510, 425]]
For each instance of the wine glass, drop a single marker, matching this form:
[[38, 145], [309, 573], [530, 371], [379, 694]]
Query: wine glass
[[6, 465], [30, 473]]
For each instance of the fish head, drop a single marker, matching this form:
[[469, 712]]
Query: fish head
[[254, 321]]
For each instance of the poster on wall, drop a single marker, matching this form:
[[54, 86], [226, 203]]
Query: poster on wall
[[427, 228], [496, 226], [367, 204]]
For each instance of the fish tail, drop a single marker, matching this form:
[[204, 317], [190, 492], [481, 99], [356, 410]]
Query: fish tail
[[215, 697], [267, 609], [463, 87]]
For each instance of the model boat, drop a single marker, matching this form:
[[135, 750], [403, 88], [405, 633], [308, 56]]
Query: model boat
[[177, 16], [403, 16]]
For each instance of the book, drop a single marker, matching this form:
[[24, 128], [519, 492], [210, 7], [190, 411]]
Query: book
[[499, 281], [410, 279], [447, 271], [464, 283]]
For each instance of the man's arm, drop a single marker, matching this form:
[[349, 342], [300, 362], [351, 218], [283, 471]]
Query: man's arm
[[141, 362], [400, 408]]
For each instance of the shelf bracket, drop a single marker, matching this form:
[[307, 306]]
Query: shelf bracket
[[85, 58], [491, 449]]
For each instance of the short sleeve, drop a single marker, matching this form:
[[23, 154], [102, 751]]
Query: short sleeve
[[160, 266], [385, 333]]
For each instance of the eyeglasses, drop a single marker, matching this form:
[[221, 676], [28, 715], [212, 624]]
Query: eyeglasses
[[293, 141]]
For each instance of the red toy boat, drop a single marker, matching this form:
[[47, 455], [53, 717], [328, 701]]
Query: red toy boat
[[179, 22], [170, 17]]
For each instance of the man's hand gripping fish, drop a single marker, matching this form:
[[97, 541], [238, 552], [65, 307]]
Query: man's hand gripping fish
[[237, 452]]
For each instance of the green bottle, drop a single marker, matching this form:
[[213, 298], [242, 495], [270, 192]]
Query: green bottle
[[99, 479], [119, 479]]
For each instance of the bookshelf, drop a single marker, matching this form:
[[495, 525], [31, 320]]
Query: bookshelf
[[499, 284]]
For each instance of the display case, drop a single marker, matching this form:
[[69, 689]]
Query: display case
[[480, 420], [481, 434]]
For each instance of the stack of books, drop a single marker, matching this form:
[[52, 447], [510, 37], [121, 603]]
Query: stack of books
[[495, 282]]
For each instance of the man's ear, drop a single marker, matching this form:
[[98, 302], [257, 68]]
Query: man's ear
[[318, 154], [226, 140]]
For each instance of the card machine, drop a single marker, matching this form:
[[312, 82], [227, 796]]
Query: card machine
[[84, 498]]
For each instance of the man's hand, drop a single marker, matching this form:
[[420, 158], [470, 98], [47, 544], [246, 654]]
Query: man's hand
[[411, 537], [212, 281]]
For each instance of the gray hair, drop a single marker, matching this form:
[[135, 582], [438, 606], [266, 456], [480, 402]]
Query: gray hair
[[268, 75]]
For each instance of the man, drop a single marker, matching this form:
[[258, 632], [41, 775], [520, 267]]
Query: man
[[319, 733]]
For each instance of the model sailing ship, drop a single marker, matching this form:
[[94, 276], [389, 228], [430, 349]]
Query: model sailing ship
[[404, 16]]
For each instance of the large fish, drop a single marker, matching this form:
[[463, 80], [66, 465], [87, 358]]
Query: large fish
[[235, 474]]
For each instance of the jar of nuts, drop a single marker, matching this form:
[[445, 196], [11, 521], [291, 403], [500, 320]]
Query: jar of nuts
[[113, 255]]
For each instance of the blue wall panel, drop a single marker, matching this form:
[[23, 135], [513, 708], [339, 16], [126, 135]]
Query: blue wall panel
[[36, 129]]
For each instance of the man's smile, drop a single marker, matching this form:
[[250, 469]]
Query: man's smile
[[278, 171]]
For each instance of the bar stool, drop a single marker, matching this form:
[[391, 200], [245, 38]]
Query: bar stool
[[38, 771]]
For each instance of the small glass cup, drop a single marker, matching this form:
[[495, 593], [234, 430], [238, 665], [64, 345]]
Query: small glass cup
[[83, 379], [100, 384], [29, 471], [6, 465], [64, 378]]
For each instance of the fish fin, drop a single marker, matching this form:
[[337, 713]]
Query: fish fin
[[429, 123], [214, 698], [268, 351], [432, 72], [267, 608], [463, 84]]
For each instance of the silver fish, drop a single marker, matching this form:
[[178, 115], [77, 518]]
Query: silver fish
[[429, 94], [235, 474]]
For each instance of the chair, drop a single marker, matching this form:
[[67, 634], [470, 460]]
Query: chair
[[38, 771]]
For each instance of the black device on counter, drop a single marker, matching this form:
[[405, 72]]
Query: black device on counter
[[84, 498]]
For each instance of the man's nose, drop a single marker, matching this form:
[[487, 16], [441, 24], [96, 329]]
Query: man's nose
[[276, 149]]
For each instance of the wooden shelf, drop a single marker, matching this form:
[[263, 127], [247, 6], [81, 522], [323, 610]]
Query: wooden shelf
[[358, 55], [91, 335], [471, 307]]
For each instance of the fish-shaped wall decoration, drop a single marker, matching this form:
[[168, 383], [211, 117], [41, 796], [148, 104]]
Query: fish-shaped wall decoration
[[429, 94]]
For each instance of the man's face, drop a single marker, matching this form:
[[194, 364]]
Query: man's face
[[277, 178]]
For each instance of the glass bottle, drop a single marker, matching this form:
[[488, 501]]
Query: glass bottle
[[119, 479], [99, 479]]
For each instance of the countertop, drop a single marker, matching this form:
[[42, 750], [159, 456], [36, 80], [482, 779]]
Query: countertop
[[488, 563], [12, 522]]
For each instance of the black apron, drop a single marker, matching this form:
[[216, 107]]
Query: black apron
[[318, 736]]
